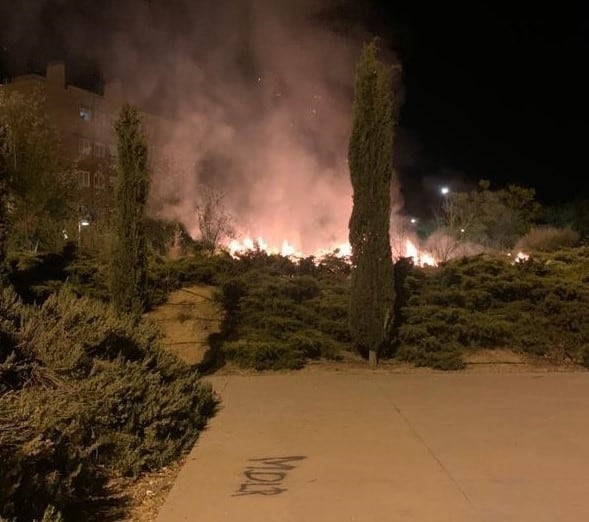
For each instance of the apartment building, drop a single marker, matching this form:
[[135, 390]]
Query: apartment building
[[85, 121]]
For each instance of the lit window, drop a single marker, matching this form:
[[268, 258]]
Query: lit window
[[85, 113], [84, 179], [85, 147], [98, 180]]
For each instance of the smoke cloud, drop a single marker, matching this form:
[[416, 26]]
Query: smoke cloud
[[261, 96], [259, 93]]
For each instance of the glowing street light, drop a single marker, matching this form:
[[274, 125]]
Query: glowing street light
[[81, 224], [445, 191], [413, 221]]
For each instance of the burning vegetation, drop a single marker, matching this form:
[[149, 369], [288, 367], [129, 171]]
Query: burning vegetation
[[87, 392]]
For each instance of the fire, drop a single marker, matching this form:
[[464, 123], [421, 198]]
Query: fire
[[521, 257], [342, 250], [286, 249], [420, 257], [248, 244]]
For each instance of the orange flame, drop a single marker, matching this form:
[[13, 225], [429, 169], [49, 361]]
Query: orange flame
[[420, 257], [286, 249], [343, 250]]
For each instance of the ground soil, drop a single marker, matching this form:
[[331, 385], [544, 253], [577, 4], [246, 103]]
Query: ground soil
[[187, 319]]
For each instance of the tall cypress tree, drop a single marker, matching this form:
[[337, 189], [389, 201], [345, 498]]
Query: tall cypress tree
[[371, 170], [129, 260]]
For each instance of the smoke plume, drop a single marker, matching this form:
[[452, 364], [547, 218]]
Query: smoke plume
[[257, 96], [260, 94]]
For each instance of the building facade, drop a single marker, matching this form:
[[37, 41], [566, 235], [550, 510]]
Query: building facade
[[85, 122]]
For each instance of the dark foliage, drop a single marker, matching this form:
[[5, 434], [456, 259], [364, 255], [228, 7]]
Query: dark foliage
[[36, 276], [4, 174], [279, 314], [129, 259], [86, 393], [371, 170], [539, 307]]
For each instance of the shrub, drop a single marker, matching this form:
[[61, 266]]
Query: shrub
[[276, 318], [86, 393], [536, 307], [547, 239], [431, 352], [10, 312], [166, 275], [35, 276], [264, 355], [585, 356], [313, 344], [88, 276]]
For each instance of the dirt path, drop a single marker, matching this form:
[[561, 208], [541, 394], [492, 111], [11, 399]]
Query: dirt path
[[187, 319]]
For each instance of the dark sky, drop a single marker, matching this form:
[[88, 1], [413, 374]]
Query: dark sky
[[499, 92], [490, 92]]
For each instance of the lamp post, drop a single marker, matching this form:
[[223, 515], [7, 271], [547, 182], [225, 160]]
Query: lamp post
[[82, 223], [447, 205]]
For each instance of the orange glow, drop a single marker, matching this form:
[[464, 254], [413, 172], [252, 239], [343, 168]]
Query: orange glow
[[247, 244]]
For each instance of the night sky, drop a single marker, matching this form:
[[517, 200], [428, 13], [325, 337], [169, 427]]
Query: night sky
[[489, 92], [499, 93]]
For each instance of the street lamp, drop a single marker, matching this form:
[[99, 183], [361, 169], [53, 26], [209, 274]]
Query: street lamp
[[446, 205], [81, 224], [413, 221]]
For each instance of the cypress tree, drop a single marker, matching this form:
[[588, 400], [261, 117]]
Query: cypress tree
[[129, 259], [371, 170]]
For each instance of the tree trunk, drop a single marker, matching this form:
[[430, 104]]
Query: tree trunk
[[372, 359]]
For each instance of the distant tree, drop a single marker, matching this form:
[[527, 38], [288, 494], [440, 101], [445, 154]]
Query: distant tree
[[215, 223], [574, 214], [370, 162], [37, 180], [493, 218], [166, 238], [129, 259], [547, 239]]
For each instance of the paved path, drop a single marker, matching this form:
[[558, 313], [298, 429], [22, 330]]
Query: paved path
[[377, 447]]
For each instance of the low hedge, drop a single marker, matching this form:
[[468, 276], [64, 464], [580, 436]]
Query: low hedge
[[539, 307], [280, 314]]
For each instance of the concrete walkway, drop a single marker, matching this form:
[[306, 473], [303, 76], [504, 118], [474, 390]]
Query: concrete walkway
[[376, 447]]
